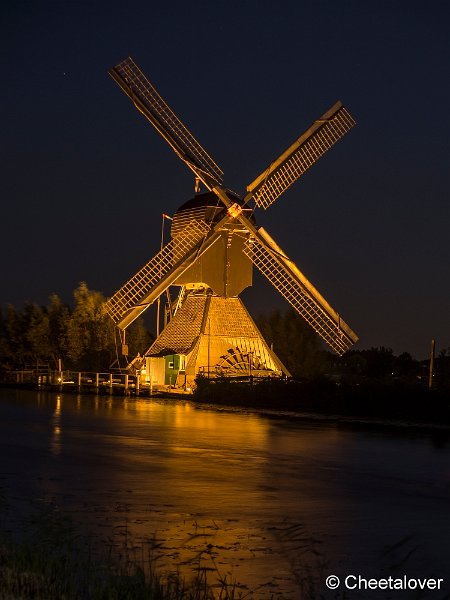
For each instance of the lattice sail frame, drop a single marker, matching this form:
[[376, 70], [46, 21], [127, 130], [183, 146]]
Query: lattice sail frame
[[135, 290], [331, 329], [264, 190], [301, 155], [182, 139]]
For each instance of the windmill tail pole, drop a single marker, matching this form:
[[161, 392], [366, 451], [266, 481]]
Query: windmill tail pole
[[432, 354]]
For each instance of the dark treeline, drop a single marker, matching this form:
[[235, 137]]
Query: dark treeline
[[82, 336], [301, 351]]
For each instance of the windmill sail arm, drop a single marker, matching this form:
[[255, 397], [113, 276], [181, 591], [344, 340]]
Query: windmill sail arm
[[139, 105], [131, 314], [176, 147], [159, 273], [300, 156], [275, 265], [298, 274], [287, 278], [147, 300], [153, 107]]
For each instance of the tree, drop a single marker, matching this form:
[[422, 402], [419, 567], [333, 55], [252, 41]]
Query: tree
[[36, 334], [58, 316], [89, 334], [380, 361], [83, 337], [138, 338], [5, 350], [404, 365], [13, 336], [293, 340], [442, 368]]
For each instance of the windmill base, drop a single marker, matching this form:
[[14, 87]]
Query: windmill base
[[211, 336]]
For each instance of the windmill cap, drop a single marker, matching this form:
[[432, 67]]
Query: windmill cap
[[206, 207]]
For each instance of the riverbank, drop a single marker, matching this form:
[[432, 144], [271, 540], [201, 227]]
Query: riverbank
[[367, 403]]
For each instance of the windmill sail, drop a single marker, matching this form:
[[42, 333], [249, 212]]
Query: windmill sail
[[285, 276], [170, 264], [300, 156], [158, 274], [147, 100]]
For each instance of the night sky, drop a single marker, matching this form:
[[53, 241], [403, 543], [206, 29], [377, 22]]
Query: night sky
[[84, 178]]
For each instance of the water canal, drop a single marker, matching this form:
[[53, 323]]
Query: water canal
[[259, 497]]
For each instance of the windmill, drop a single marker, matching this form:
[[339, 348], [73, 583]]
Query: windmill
[[214, 245]]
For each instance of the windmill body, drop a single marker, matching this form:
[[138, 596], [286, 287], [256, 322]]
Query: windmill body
[[224, 267], [214, 245], [211, 332]]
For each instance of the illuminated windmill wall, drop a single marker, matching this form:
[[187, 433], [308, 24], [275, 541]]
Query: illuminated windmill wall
[[215, 243]]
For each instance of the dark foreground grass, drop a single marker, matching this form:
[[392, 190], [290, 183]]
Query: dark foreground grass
[[45, 556], [48, 557], [28, 572]]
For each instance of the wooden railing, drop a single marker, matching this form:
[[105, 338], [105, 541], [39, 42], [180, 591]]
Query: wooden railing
[[112, 383]]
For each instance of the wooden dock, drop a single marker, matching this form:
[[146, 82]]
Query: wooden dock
[[112, 383]]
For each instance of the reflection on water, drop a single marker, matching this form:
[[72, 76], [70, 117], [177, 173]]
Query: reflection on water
[[55, 441], [258, 497]]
